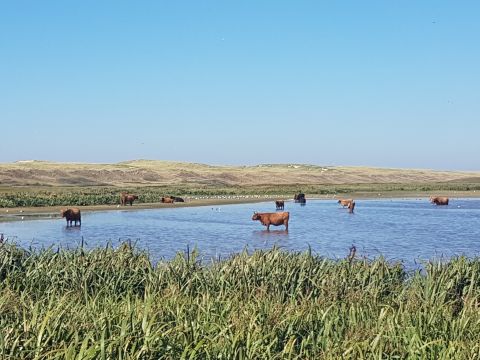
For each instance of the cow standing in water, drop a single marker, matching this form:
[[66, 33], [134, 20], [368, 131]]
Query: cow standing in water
[[344, 202], [439, 200], [300, 198], [280, 204], [351, 207], [275, 219], [72, 216]]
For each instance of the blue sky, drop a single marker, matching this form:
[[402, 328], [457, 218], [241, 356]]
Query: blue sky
[[379, 83]]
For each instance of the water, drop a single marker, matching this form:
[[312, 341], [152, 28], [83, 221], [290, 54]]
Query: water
[[406, 230]]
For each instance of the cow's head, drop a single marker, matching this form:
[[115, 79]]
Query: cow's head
[[256, 216]]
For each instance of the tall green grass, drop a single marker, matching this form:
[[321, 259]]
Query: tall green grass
[[114, 304]]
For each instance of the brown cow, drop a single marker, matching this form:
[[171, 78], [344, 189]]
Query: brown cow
[[351, 206], [72, 215], [127, 199], [280, 204], [344, 202], [276, 219], [123, 195], [172, 199], [439, 200]]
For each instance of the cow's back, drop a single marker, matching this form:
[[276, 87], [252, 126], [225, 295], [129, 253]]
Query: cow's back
[[75, 214]]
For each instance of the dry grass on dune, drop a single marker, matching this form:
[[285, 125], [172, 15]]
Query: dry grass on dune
[[149, 172]]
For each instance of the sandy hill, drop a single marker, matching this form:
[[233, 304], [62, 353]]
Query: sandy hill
[[152, 172]]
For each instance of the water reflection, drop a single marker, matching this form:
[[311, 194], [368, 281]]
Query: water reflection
[[270, 234]]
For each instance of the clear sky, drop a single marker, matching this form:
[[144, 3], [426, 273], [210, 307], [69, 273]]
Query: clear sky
[[379, 83]]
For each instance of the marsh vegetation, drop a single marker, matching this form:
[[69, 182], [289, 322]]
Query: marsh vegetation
[[40, 196], [115, 304]]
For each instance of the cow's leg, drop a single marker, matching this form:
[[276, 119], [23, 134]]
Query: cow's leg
[[268, 227], [286, 225]]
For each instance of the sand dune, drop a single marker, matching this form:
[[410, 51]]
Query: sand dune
[[152, 172]]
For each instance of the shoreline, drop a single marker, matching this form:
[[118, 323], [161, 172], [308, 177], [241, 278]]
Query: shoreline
[[48, 212]]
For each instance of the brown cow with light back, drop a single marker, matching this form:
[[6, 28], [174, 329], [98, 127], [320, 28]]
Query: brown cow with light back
[[439, 200], [275, 219], [344, 202], [72, 216], [127, 199]]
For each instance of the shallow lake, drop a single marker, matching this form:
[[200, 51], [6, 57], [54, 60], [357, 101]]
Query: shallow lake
[[408, 230]]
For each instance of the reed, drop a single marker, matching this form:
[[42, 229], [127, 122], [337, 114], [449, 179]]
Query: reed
[[113, 303]]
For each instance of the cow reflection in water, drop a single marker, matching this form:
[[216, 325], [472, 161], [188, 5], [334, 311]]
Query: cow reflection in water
[[270, 233]]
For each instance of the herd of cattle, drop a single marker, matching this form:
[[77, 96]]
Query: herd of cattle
[[73, 215]]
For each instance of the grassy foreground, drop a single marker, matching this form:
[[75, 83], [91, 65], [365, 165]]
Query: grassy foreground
[[114, 304]]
